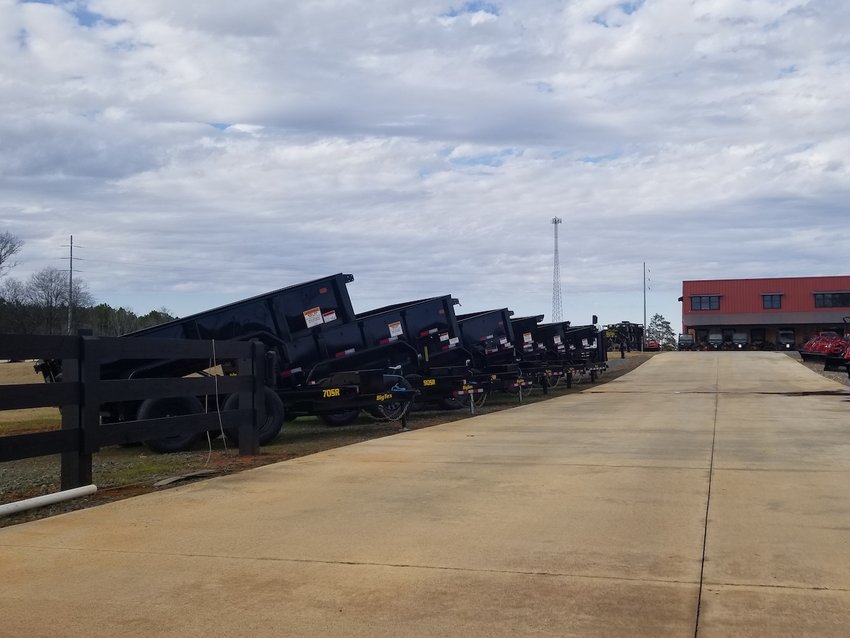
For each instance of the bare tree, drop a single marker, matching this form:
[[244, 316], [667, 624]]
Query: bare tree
[[16, 315], [47, 292], [10, 245]]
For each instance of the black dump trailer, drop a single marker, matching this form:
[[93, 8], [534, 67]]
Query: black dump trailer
[[489, 336], [572, 349], [536, 361], [318, 362], [625, 332], [442, 373], [588, 349]]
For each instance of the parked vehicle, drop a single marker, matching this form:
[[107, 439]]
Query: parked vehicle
[[686, 342], [715, 340], [740, 340], [785, 339], [826, 343]]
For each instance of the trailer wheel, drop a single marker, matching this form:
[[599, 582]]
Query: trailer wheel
[[270, 428], [339, 419], [171, 406]]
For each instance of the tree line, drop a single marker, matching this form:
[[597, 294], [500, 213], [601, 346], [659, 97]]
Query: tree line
[[40, 304]]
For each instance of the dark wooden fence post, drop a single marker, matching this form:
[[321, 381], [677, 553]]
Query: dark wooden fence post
[[76, 466], [249, 444]]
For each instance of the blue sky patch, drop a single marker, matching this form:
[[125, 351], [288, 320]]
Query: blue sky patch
[[630, 7], [600, 159], [89, 18], [473, 7], [79, 10], [486, 159]]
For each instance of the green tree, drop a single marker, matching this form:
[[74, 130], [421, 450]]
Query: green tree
[[156, 317], [659, 330]]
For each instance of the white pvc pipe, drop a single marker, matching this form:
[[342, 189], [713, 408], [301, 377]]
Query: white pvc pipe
[[47, 499]]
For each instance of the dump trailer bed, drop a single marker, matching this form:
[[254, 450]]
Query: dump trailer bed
[[588, 349], [442, 372], [489, 336], [534, 360], [573, 349]]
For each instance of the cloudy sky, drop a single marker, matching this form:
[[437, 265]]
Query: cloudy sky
[[202, 152]]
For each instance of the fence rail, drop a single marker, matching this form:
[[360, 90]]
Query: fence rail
[[82, 394]]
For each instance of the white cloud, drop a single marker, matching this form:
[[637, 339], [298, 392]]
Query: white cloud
[[205, 151]]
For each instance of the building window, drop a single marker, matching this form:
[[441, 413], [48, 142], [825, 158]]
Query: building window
[[771, 302], [705, 302], [832, 300]]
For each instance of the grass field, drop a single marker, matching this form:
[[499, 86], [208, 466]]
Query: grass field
[[29, 420]]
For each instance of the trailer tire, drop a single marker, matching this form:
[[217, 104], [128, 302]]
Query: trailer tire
[[339, 419], [450, 404], [170, 406], [270, 428]]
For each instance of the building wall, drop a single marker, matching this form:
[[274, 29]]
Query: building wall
[[741, 305]]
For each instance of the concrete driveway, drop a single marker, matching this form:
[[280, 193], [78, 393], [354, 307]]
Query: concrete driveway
[[703, 492]]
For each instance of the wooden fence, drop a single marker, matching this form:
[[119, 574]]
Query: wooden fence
[[82, 393]]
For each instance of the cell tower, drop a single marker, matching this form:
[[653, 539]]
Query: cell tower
[[557, 305]]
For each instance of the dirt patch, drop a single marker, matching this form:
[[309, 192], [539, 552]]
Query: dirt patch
[[122, 472]]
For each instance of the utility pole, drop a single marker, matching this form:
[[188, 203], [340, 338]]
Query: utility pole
[[557, 304], [645, 327], [71, 284], [70, 247]]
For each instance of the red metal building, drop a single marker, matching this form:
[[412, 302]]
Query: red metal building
[[765, 311]]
